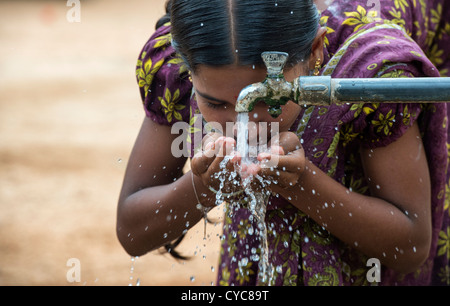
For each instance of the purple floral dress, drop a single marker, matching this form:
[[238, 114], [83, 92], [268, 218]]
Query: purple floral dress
[[395, 38]]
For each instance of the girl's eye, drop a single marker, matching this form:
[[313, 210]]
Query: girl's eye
[[213, 105]]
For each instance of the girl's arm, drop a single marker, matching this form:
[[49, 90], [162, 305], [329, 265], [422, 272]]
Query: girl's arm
[[394, 223], [157, 202]]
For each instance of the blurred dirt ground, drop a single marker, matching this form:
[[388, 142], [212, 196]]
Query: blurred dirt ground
[[69, 113]]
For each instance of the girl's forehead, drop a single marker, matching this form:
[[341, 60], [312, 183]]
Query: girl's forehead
[[238, 76], [227, 77], [237, 71]]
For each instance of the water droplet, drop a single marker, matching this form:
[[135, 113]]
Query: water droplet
[[192, 278], [201, 24], [133, 261]]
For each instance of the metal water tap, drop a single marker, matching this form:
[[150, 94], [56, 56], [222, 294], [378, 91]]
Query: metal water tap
[[275, 91]]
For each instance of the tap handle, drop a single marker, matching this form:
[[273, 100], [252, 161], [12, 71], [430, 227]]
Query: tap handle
[[274, 62]]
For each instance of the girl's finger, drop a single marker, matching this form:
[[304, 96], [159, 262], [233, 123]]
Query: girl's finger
[[210, 139], [277, 150], [200, 164], [293, 162], [202, 161], [283, 179], [224, 147]]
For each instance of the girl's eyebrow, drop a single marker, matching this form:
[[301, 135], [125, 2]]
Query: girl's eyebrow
[[208, 97]]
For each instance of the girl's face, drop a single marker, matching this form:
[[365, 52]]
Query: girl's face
[[217, 89]]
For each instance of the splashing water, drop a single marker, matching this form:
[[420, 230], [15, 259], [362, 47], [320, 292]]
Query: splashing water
[[258, 200], [258, 205]]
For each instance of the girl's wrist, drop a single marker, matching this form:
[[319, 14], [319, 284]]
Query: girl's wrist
[[206, 199], [293, 191], [226, 196]]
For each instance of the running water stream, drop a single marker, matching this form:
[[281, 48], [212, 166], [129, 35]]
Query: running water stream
[[242, 136], [257, 199]]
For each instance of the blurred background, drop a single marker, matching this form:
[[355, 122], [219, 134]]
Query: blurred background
[[69, 113]]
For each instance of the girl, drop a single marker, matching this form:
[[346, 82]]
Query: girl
[[353, 181]]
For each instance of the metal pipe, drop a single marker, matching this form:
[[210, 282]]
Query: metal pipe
[[324, 90], [391, 90]]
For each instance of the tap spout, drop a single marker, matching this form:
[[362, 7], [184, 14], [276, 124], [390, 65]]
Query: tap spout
[[273, 91]]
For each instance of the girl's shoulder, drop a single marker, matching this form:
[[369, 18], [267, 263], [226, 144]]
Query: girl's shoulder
[[417, 18], [367, 42], [163, 79]]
